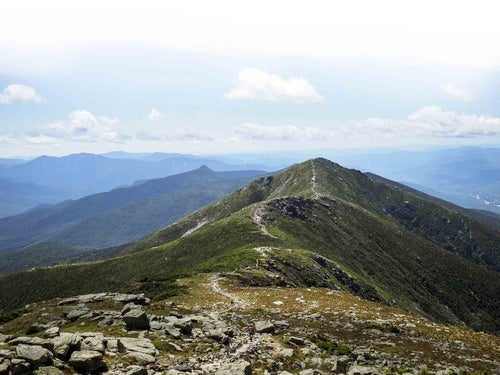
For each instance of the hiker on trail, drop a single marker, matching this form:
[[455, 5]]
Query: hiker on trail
[[226, 340], [251, 331]]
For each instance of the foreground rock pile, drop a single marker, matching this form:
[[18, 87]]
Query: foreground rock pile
[[130, 337]]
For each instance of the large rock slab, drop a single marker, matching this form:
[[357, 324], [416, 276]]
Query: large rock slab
[[87, 361], [95, 343], [140, 358], [264, 326], [47, 344], [20, 366], [76, 313], [36, 355], [136, 319], [235, 368], [363, 370], [129, 344], [48, 370], [65, 343]]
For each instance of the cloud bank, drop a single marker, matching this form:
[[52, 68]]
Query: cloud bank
[[254, 84], [258, 132], [431, 121], [456, 92], [83, 126], [19, 93]]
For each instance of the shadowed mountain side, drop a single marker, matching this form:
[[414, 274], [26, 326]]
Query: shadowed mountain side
[[47, 222]]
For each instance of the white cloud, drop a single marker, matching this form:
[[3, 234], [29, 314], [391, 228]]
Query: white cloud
[[83, 126], [154, 114], [184, 135], [42, 139], [429, 121], [278, 133], [6, 139], [19, 93], [257, 85], [457, 92]]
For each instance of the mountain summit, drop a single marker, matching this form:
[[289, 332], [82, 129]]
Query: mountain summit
[[313, 224]]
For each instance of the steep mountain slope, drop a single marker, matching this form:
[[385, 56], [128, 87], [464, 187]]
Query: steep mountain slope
[[63, 222], [16, 197], [338, 216], [50, 254], [446, 225]]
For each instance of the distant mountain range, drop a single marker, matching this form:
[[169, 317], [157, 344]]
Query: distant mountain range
[[468, 176], [120, 215], [362, 233], [26, 184]]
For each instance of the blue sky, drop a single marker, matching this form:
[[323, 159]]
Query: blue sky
[[246, 76]]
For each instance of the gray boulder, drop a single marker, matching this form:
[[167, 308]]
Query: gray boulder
[[129, 344], [86, 361], [239, 367], [362, 370], [65, 343], [20, 366], [4, 366], [264, 326], [136, 319], [136, 370], [94, 343], [48, 370], [140, 358], [34, 354], [47, 344], [74, 314], [51, 332]]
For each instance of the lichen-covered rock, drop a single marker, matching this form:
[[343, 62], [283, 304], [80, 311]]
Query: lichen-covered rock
[[34, 354], [4, 366], [93, 343], [136, 319], [51, 332], [48, 370], [47, 344], [264, 327], [65, 343], [140, 358], [85, 361], [235, 368], [363, 370], [144, 345], [20, 366], [136, 370]]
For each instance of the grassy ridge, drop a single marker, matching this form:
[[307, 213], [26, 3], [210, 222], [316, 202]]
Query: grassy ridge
[[382, 236]]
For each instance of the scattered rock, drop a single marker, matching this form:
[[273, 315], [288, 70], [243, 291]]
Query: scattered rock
[[239, 367], [264, 327], [47, 344], [136, 370], [74, 314], [95, 343], [136, 319], [51, 332], [34, 354], [48, 370], [87, 361], [363, 370], [140, 358], [137, 345], [20, 367], [297, 341]]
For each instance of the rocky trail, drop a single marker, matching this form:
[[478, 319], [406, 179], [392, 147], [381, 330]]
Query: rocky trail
[[128, 334]]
